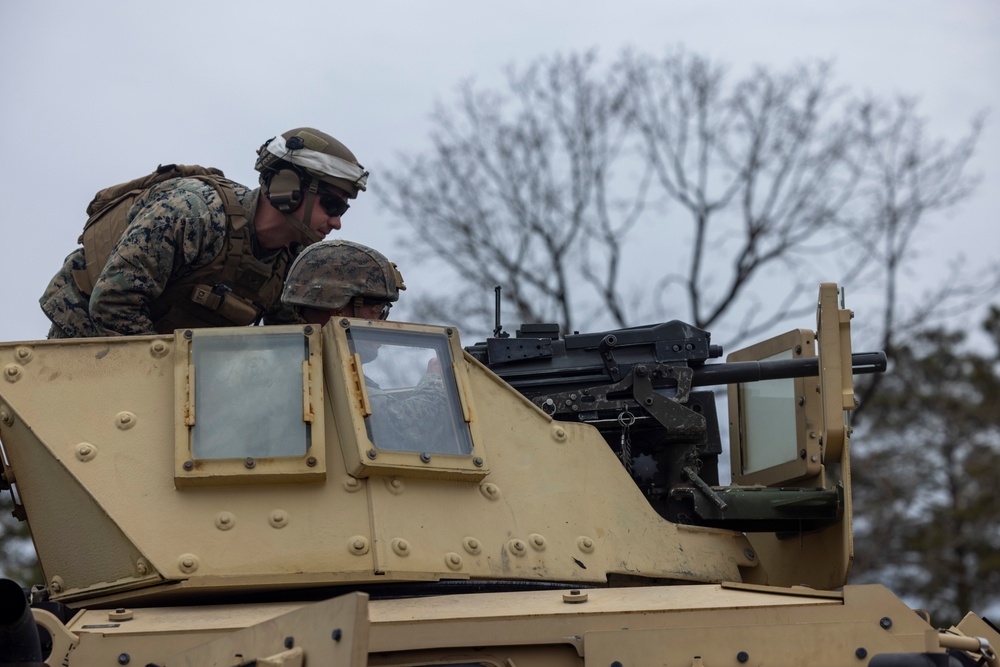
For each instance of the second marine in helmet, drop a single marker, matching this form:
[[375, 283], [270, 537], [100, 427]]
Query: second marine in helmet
[[338, 277]]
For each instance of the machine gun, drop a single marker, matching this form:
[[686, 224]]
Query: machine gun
[[636, 386]]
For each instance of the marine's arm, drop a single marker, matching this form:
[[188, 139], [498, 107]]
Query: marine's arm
[[172, 228]]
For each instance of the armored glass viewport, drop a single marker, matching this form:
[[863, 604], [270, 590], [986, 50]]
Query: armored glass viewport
[[770, 425], [249, 405], [412, 400], [248, 396]]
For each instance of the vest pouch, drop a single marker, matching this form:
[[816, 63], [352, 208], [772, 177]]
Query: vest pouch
[[225, 304]]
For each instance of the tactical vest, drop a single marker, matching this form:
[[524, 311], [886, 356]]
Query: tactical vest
[[234, 289]]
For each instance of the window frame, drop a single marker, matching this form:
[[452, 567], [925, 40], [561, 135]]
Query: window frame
[[346, 385], [309, 466]]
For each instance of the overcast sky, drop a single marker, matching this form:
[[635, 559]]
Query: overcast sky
[[99, 92]]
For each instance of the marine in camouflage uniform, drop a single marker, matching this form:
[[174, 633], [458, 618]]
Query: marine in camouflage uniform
[[175, 227], [343, 279], [204, 251]]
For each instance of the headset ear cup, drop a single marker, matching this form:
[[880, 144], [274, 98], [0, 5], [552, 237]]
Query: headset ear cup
[[284, 191]]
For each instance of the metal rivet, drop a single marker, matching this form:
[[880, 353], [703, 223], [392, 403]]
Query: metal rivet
[[125, 420], [188, 334], [490, 490], [372, 454], [885, 622], [337, 634], [358, 545], [472, 545], [278, 519], [188, 465], [517, 547], [158, 348], [6, 417], [308, 330], [537, 541], [250, 463], [742, 656], [12, 373], [225, 520], [344, 323], [124, 658], [477, 461], [861, 653], [56, 585], [453, 560], [311, 461], [23, 354], [401, 547], [425, 457], [289, 642], [86, 451], [187, 563], [448, 332], [585, 544], [749, 554]]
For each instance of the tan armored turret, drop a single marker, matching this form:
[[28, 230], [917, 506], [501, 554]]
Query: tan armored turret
[[193, 495]]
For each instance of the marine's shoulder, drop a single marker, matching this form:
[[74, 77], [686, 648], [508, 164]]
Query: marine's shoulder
[[192, 196], [190, 186]]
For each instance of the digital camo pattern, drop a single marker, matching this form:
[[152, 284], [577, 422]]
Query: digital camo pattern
[[174, 228], [328, 274]]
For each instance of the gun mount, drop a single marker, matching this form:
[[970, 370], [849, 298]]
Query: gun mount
[[636, 386]]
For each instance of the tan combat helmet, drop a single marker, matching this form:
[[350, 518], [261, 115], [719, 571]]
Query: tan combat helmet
[[315, 153], [307, 167], [329, 274]]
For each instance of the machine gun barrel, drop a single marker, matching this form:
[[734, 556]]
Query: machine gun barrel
[[754, 371]]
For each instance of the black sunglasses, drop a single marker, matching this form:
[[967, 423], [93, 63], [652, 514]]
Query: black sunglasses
[[334, 205]]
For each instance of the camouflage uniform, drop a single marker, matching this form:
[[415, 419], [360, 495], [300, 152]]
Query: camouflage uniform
[[174, 228]]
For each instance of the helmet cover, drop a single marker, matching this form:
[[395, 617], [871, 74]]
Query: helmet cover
[[329, 274], [316, 154]]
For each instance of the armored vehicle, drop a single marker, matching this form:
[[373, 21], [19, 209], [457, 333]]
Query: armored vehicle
[[373, 493]]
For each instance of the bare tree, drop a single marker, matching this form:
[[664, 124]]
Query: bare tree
[[519, 190], [761, 170], [906, 178]]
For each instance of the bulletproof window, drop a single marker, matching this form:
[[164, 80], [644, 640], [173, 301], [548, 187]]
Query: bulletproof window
[[413, 403], [774, 425], [248, 396], [770, 427], [402, 400], [249, 404]]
